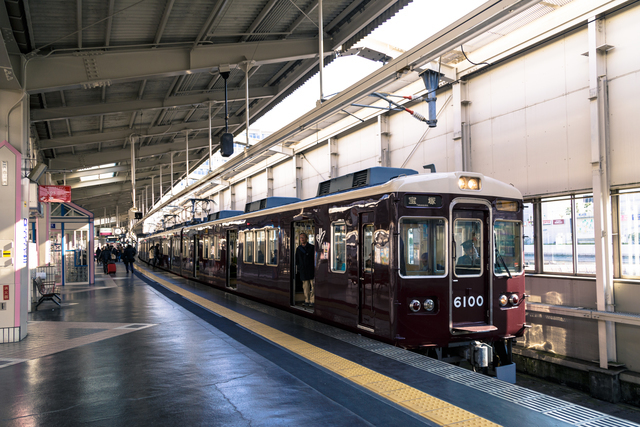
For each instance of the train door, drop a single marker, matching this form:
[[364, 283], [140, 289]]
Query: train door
[[365, 271], [232, 259], [299, 227], [471, 283]]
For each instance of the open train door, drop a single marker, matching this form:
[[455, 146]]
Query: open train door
[[297, 227], [471, 281]]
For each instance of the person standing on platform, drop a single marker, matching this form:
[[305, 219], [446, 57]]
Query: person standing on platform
[[98, 255], [105, 256], [305, 263], [156, 254], [152, 256], [129, 257]]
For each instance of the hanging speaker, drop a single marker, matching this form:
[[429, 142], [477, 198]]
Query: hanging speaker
[[37, 172], [226, 144]]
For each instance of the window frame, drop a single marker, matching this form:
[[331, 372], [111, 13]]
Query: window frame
[[482, 241], [494, 246], [446, 246], [245, 252], [332, 248], [255, 246], [276, 230], [538, 244]]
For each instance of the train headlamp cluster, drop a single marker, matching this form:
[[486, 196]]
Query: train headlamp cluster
[[469, 183], [509, 299], [428, 305]]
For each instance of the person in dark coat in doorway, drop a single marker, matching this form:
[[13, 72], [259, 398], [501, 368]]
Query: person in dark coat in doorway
[[305, 264], [129, 257]]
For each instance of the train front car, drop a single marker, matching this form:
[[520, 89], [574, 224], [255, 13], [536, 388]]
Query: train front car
[[460, 282]]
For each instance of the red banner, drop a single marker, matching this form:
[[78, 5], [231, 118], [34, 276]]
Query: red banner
[[54, 193]]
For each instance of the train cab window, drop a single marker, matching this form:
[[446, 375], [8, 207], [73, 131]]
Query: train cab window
[[422, 247], [339, 247], [272, 246], [248, 247], [468, 247], [508, 247], [261, 247]]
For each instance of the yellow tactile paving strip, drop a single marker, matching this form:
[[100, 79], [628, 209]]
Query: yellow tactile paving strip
[[419, 402]]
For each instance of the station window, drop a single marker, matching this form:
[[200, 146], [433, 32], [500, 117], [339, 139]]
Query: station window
[[339, 247], [261, 246], [629, 233], [529, 238], [422, 247], [272, 246], [508, 252], [248, 247]]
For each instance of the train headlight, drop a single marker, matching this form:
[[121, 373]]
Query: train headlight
[[503, 300], [429, 304], [514, 299], [469, 183], [415, 305]]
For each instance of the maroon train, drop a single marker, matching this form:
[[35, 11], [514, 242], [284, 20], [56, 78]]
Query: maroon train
[[423, 261]]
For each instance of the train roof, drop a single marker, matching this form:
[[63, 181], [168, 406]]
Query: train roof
[[428, 183]]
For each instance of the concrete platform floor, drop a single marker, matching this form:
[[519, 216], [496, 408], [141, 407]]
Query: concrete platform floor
[[122, 352]]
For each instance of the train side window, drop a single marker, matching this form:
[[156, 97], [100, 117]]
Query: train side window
[[338, 247], [508, 247], [205, 248], [272, 246], [367, 249], [261, 247], [422, 247], [215, 248], [248, 247]]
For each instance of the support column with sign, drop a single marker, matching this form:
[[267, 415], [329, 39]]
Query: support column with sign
[[14, 299]]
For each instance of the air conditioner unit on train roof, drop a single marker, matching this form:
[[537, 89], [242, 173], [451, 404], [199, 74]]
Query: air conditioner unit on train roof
[[364, 178]]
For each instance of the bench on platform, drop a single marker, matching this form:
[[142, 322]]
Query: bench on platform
[[48, 292]]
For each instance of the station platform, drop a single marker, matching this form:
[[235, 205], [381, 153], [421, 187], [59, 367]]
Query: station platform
[[150, 348]]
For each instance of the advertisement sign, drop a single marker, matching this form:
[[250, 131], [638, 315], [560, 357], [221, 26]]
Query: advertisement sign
[[54, 193], [105, 231]]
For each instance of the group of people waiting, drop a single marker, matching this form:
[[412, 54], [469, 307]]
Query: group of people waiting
[[116, 253]]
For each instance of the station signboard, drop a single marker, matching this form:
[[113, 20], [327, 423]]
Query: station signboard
[[54, 193]]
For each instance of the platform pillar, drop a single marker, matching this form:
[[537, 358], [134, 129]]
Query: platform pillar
[[14, 217]]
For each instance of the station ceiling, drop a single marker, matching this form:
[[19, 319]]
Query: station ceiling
[[101, 71]]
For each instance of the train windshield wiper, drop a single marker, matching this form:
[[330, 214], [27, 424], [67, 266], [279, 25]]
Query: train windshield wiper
[[504, 264]]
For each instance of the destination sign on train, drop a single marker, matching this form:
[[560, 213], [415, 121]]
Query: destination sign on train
[[423, 201]]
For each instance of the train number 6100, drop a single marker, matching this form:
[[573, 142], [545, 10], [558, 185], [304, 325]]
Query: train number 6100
[[468, 301]]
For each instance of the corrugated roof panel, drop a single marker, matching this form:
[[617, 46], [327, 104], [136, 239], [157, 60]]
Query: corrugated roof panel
[[82, 97], [81, 125], [92, 12], [186, 20], [51, 21], [138, 24]]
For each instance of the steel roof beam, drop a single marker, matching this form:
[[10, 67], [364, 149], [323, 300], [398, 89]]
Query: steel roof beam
[[69, 161], [163, 21], [67, 71], [142, 176], [10, 56], [147, 104], [119, 135]]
